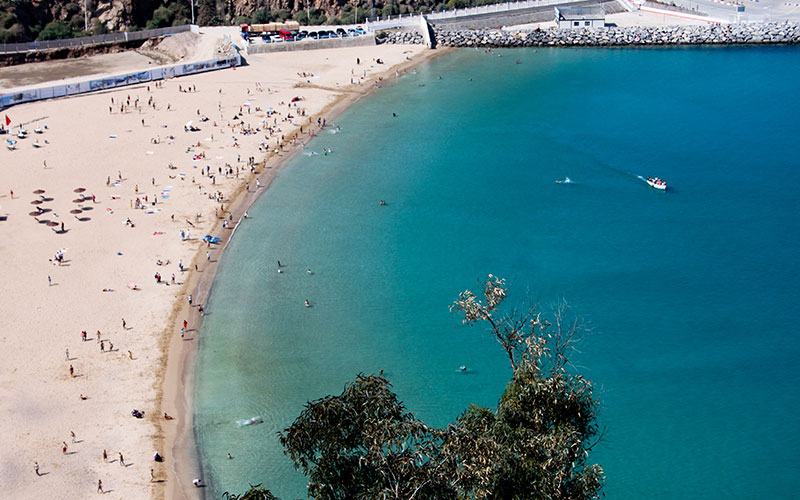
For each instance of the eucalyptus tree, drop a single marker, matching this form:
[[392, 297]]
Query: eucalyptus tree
[[363, 444]]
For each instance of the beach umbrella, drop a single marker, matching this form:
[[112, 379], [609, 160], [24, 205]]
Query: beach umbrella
[[78, 190], [34, 214], [75, 211], [43, 221], [39, 191], [53, 223], [78, 200], [36, 202]]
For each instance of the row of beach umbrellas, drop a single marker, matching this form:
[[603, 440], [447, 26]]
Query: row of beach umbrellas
[[74, 211]]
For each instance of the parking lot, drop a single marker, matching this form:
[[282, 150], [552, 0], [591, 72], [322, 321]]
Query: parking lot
[[310, 33]]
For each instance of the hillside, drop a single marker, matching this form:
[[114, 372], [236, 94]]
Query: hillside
[[27, 20]]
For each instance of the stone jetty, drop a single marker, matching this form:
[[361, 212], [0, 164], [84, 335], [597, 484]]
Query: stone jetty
[[714, 34]]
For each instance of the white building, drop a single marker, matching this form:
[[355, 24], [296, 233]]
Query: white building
[[580, 17]]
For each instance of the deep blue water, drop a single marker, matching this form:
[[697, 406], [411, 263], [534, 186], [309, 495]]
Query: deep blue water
[[691, 294]]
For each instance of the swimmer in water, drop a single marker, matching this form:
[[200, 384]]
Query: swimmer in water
[[280, 271], [462, 368], [307, 303], [308, 271]]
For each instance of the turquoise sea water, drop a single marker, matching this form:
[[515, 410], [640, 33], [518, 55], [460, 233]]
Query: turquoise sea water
[[692, 294]]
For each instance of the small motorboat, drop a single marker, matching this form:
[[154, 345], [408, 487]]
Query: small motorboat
[[657, 183]]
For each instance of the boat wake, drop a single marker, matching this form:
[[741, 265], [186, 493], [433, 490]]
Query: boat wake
[[565, 180]]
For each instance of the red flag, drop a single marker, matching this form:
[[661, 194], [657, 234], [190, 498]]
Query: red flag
[[8, 121]]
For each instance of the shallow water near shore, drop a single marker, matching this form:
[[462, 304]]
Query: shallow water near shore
[[690, 293]]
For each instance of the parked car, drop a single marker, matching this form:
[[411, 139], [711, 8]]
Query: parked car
[[275, 38]]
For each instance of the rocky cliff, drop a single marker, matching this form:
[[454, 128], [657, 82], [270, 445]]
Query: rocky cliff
[[26, 20]]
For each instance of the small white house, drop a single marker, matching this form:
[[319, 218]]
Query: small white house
[[580, 17]]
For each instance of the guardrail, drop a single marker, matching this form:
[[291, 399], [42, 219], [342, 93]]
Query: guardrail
[[12, 48]]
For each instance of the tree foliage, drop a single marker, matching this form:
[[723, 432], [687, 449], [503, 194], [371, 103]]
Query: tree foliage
[[55, 31], [363, 444], [162, 18], [256, 492]]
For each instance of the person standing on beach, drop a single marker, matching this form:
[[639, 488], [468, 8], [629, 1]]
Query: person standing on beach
[[71, 371], [105, 456], [99, 486], [121, 460], [72, 436], [66, 354], [63, 447], [190, 300], [124, 324], [36, 468], [49, 281], [152, 476], [83, 335]]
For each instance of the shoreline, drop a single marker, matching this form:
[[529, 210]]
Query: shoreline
[[178, 368], [74, 368]]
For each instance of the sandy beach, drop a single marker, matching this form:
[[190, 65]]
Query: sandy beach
[[128, 194]]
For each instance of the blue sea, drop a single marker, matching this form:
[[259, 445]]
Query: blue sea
[[691, 295]]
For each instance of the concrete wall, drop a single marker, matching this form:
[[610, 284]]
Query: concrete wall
[[533, 15], [160, 73], [311, 44]]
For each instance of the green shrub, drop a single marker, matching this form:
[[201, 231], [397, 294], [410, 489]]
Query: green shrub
[[162, 18], [55, 31]]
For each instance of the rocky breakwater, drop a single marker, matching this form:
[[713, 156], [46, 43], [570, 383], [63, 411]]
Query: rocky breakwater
[[727, 34]]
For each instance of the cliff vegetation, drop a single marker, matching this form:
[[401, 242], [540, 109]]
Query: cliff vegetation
[[28, 20]]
